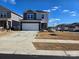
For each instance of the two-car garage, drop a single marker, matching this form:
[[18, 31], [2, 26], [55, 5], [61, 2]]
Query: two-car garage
[[30, 26]]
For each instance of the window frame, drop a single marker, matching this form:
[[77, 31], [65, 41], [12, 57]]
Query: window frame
[[30, 16], [42, 16]]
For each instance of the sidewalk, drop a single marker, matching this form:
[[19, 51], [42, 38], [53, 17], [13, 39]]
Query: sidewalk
[[56, 41]]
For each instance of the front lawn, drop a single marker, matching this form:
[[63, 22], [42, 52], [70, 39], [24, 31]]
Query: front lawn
[[58, 35], [55, 46]]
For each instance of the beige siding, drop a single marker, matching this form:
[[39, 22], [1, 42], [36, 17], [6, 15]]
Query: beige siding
[[15, 17]]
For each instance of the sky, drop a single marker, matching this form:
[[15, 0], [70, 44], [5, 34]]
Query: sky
[[60, 11]]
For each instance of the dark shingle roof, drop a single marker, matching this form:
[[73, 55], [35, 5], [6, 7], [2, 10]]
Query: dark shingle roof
[[6, 9], [40, 11], [36, 11], [3, 8]]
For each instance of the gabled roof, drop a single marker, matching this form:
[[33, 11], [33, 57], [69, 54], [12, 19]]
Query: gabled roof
[[3, 8], [40, 11], [35, 11], [6, 9]]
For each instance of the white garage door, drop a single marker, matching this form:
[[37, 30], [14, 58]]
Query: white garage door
[[30, 26]]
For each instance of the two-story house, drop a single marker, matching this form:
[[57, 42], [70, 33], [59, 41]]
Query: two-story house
[[34, 20], [9, 19]]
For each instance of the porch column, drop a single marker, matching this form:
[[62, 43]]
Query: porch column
[[40, 25], [7, 25], [11, 23]]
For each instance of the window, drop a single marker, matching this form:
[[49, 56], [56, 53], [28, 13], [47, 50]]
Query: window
[[4, 14], [8, 15], [1, 15], [30, 16], [42, 16]]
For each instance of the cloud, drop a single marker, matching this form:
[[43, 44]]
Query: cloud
[[57, 19], [13, 2], [73, 13], [65, 11], [54, 8], [50, 21], [47, 10], [10, 1], [54, 20]]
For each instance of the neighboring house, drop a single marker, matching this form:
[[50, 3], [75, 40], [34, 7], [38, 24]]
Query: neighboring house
[[9, 19], [34, 20], [68, 27], [76, 27], [65, 28]]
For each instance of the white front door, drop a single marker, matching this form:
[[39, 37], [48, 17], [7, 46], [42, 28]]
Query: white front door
[[30, 26]]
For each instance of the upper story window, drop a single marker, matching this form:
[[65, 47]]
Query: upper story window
[[4, 14], [30, 16], [42, 16]]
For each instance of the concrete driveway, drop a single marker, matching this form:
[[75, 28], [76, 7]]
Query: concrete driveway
[[18, 41]]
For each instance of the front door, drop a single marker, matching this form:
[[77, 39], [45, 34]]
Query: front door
[[43, 25]]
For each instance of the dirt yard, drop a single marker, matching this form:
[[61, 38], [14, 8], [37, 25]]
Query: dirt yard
[[58, 35], [5, 33], [55, 46]]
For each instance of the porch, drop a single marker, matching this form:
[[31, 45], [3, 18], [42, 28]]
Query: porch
[[5, 24]]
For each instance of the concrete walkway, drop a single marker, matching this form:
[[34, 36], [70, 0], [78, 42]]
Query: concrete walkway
[[57, 41], [21, 43]]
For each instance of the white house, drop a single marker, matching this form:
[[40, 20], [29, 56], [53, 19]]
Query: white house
[[9, 19]]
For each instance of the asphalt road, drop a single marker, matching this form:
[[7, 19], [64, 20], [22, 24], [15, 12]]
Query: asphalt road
[[13, 56]]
